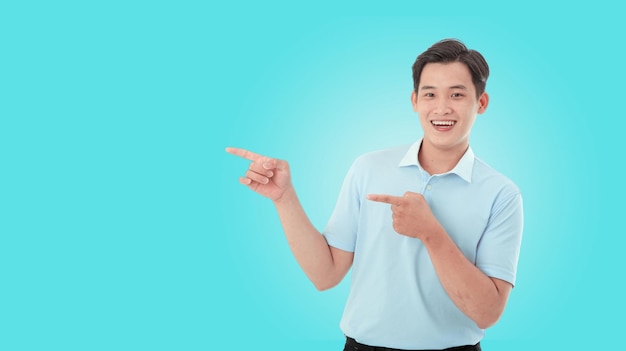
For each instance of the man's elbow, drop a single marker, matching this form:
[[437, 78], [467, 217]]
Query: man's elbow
[[490, 313], [487, 320], [485, 324], [322, 286]]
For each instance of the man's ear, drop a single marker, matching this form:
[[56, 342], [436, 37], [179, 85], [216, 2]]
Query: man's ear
[[414, 100], [483, 102]]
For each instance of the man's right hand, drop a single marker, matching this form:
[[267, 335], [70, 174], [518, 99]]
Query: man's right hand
[[269, 177], [324, 265]]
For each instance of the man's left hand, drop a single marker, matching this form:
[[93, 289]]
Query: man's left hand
[[410, 213]]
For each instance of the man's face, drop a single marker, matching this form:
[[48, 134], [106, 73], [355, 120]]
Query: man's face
[[447, 105]]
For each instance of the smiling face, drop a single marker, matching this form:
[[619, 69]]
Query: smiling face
[[447, 106]]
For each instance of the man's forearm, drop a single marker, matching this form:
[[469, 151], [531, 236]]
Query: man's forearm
[[307, 244], [480, 297]]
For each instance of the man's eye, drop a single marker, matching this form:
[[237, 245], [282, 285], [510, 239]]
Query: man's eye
[[429, 95], [457, 95]]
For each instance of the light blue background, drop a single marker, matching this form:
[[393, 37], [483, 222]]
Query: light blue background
[[122, 223]]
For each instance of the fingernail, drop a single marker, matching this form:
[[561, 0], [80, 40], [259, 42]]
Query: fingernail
[[267, 165]]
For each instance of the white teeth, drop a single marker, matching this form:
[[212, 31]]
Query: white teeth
[[443, 123]]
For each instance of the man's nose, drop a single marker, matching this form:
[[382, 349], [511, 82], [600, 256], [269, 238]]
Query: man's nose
[[442, 107]]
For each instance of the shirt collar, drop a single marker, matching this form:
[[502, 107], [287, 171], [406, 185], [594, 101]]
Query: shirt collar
[[463, 168], [410, 158]]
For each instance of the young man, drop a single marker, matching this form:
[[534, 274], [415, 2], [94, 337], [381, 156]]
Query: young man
[[431, 232]]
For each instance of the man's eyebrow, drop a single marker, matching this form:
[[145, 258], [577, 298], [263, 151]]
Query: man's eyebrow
[[430, 87]]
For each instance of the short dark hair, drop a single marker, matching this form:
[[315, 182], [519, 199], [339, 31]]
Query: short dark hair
[[453, 50]]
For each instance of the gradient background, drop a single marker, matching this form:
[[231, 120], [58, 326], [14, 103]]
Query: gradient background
[[123, 225]]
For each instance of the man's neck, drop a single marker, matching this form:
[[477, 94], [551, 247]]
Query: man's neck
[[439, 161]]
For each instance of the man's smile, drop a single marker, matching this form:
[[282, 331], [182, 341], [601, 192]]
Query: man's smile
[[443, 125]]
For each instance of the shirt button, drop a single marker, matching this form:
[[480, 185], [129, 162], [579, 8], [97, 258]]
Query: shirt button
[[428, 187]]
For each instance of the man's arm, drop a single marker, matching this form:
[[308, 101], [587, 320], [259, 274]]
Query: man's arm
[[480, 297], [324, 265]]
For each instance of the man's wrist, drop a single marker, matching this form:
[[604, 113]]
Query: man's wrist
[[287, 197]]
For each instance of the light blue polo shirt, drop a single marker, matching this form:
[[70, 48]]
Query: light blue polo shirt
[[396, 299]]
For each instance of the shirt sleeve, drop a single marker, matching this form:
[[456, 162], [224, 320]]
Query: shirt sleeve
[[341, 229], [499, 247]]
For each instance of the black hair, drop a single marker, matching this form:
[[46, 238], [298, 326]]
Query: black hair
[[453, 50]]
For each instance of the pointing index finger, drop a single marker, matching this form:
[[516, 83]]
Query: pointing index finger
[[388, 199], [248, 155]]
